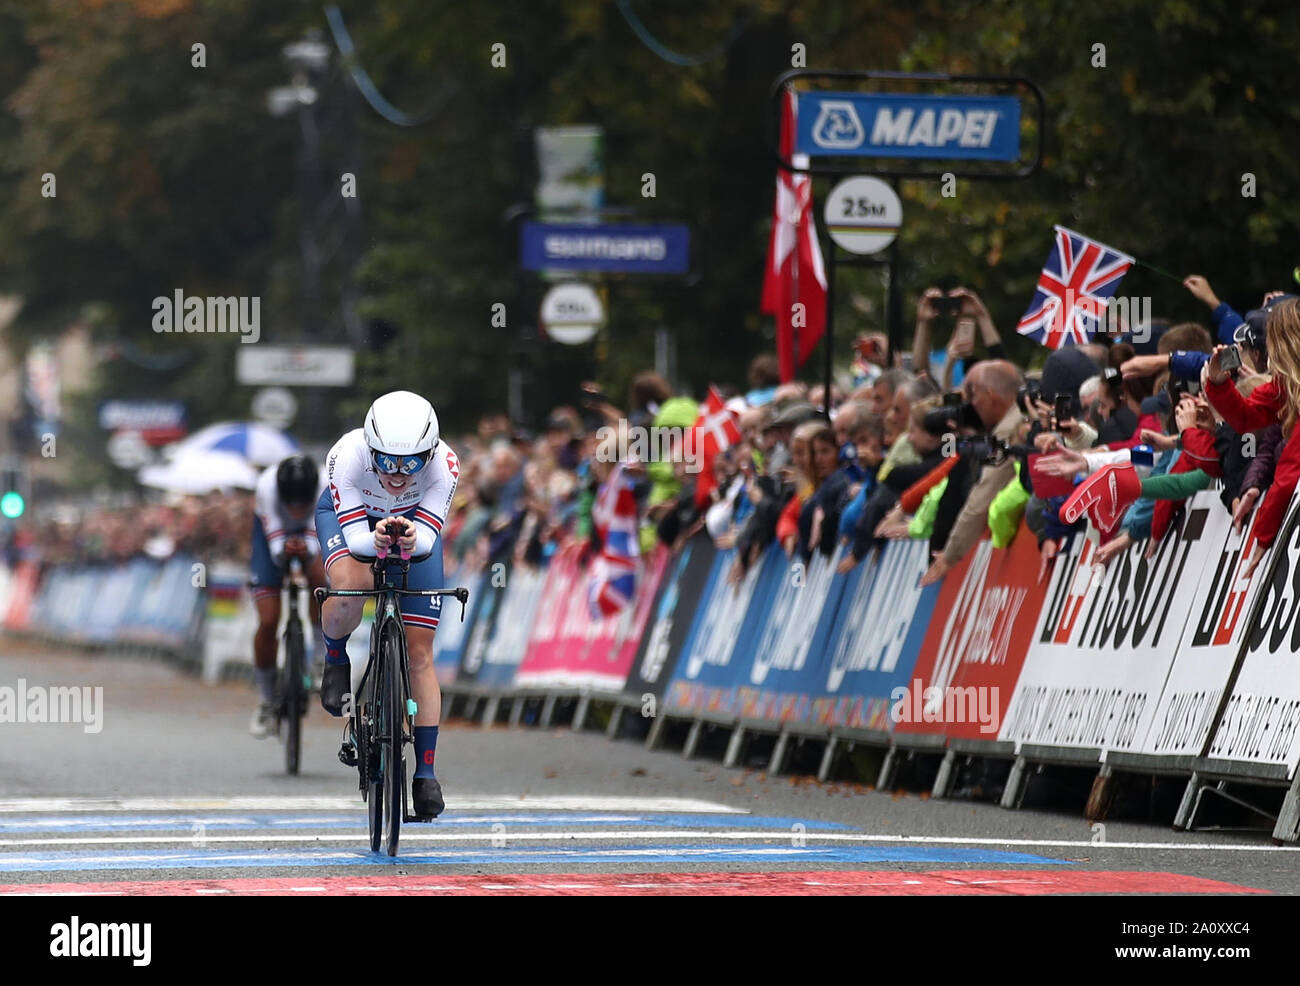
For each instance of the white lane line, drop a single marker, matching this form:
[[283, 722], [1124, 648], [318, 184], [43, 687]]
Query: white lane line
[[692, 835], [485, 802]]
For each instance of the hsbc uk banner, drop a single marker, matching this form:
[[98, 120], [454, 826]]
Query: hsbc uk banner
[[971, 654], [1106, 640]]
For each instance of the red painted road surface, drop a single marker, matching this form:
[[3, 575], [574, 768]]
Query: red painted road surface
[[865, 883]]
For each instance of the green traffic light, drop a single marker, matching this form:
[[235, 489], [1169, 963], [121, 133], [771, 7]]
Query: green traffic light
[[12, 505]]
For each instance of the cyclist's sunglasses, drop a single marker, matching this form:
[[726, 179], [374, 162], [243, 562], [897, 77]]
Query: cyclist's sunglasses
[[391, 465]]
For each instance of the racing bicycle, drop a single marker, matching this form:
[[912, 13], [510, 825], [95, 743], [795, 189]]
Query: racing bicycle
[[381, 720]]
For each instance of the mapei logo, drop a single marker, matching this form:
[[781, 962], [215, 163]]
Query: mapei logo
[[838, 126]]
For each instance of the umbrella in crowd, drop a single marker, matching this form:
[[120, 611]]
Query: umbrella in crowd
[[200, 471], [257, 444]]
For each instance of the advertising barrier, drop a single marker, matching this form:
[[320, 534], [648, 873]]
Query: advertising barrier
[[1259, 724], [871, 647], [142, 602], [674, 607], [570, 649], [1176, 662], [1106, 640], [453, 632], [970, 658]]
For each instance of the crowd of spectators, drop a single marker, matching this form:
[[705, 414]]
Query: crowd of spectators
[[938, 443]]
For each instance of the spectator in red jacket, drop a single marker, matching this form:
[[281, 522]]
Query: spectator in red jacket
[[1273, 402]]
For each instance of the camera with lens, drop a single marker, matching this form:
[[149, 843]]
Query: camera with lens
[[953, 415], [1026, 397]]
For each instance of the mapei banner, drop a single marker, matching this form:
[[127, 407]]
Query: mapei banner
[[871, 646], [725, 624], [783, 670], [862, 124]]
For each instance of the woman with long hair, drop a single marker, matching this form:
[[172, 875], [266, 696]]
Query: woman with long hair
[[1276, 401]]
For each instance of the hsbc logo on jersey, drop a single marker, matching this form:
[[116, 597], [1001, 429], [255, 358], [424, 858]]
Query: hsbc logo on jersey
[[334, 495], [453, 464]]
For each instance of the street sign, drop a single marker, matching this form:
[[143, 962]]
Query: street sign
[[571, 313], [128, 450], [872, 124], [863, 214], [294, 366], [274, 406], [156, 422], [627, 249]]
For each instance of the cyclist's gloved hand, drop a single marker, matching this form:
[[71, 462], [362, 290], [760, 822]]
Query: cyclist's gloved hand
[[295, 547], [405, 542]]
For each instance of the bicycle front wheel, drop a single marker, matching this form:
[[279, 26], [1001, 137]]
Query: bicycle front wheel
[[394, 701]]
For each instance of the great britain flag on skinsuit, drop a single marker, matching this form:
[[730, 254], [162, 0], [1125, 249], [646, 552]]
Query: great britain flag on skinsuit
[[613, 574], [1074, 289]]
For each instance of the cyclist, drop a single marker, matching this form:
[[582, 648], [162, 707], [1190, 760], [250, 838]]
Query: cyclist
[[284, 527], [395, 469]]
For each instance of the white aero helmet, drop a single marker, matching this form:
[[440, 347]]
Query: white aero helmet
[[402, 425]]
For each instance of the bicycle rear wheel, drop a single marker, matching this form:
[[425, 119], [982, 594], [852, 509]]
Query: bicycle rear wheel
[[293, 696], [395, 714]]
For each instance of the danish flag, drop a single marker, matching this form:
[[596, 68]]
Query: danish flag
[[794, 282], [1074, 289], [715, 430]]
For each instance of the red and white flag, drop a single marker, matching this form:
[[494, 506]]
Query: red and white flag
[[715, 429], [794, 282]]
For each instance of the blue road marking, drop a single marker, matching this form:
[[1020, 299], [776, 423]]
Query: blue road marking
[[245, 821], [171, 859]]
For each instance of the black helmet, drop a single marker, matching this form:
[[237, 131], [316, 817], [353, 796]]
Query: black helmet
[[296, 479]]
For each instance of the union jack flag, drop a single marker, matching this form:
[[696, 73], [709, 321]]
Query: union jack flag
[[1074, 289], [613, 573]]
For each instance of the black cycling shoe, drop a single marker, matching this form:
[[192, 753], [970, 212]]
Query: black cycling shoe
[[427, 795], [334, 686]]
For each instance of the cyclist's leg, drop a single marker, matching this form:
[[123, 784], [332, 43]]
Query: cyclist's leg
[[339, 617], [316, 577], [420, 614], [266, 581]]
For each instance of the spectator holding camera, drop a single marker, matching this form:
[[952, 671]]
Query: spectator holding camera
[[956, 360], [1276, 401], [991, 391]]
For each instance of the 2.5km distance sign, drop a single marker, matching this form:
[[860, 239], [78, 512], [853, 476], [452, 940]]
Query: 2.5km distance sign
[[863, 214]]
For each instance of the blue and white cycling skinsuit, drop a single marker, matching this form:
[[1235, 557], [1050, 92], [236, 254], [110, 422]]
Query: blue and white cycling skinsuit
[[354, 501], [271, 527]]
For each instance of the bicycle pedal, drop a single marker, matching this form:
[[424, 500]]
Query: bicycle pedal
[[348, 755]]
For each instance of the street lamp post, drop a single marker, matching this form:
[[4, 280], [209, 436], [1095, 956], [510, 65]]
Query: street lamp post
[[307, 59]]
